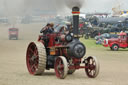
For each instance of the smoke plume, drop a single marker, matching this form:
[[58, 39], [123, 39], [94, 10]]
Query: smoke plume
[[50, 5], [72, 3]]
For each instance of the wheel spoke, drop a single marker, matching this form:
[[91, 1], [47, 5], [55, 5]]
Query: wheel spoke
[[89, 70], [35, 52], [30, 49], [29, 55], [60, 62], [92, 73], [35, 63], [33, 68], [30, 62], [91, 61], [94, 63], [61, 66]]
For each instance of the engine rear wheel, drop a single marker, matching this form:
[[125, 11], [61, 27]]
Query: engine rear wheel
[[36, 58], [93, 67], [61, 67]]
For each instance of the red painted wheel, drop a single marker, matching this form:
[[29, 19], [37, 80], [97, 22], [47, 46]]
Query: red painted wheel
[[36, 58], [61, 67], [71, 71], [93, 67], [115, 47]]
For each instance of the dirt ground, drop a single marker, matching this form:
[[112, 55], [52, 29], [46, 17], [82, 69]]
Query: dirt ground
[[13, 71]]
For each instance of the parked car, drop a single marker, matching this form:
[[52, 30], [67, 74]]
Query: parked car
[[100, 39], [105, 35]]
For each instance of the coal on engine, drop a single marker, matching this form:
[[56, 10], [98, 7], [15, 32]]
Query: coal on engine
[[62, 52]]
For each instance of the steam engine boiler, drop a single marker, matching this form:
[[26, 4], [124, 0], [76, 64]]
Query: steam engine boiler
[[62, 52]]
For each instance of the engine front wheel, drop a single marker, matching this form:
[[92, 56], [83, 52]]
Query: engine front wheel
[[93, 67], [61, 67], [36, 58]]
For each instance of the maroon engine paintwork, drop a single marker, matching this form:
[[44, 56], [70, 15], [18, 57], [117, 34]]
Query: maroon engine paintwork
[[61, 49], [59, 46]]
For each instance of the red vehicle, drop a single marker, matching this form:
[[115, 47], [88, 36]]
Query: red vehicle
[[62, 52], [116, 43], [13, 33]]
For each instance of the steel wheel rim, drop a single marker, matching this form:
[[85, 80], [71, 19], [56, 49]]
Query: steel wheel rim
[[115, 47], [91, 67], [59, 68], [32, 58]]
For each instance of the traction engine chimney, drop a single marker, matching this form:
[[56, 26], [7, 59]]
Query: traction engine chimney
[[75, 13]]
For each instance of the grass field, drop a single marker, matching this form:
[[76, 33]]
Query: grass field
[[91, 43]]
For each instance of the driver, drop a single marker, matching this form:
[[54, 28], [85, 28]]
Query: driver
[[47, 29], [52, 27], [44, 29]]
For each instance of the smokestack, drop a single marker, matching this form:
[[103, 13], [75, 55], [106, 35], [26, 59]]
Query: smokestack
[[75, 13]]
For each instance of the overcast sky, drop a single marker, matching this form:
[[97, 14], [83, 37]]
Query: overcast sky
[[104, 5], [13, 7]]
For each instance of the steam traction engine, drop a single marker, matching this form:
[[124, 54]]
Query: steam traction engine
[[62, 52]]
